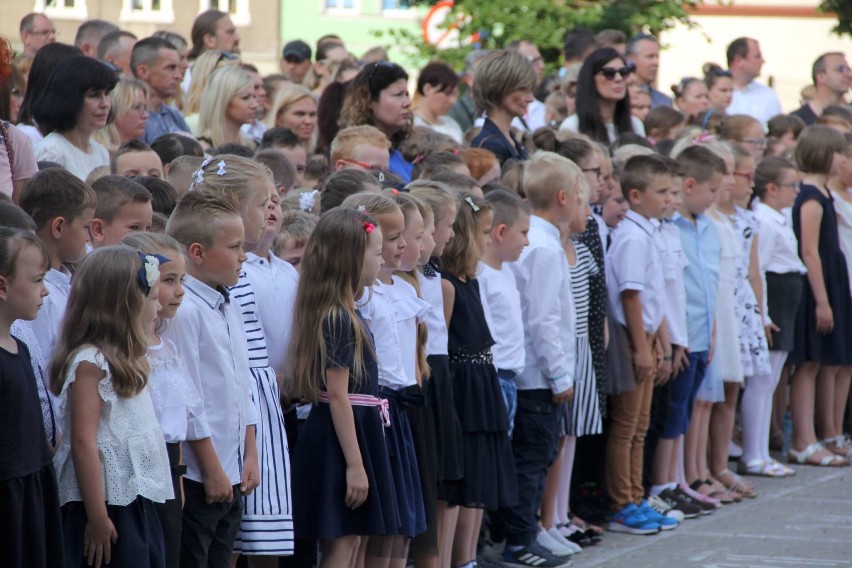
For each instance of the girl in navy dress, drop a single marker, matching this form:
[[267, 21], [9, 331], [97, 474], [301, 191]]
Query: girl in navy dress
[[489, 480], [29, 497], [343, 489], [821, 345]]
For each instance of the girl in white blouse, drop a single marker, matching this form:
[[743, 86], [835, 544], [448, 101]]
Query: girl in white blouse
[[112, 464]]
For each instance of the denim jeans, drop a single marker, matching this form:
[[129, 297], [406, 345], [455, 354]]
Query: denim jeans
[[510, 395]]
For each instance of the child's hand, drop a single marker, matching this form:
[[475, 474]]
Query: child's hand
[[824, 318], [769, 329], [643, 366], [357, 486], [564, 396], [251, 474], [97, 539], [217, 487], [664, 372], [680, 361]]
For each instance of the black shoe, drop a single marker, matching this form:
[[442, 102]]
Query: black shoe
[[706, 508], [683, 503]]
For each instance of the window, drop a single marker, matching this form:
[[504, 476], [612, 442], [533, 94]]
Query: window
[[398, 9], [238, 9], [339, 5], [62, 9], [156, 11]]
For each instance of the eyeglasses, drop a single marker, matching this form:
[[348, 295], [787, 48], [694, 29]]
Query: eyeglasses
[[139, 109], [380, 64], [745, 175], [364, 165], [842, 69], [596, 171], [609, 73], [44, 32], [759, 142], [793, 184]]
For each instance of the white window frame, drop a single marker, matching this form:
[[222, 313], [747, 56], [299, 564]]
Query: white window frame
[[165, 15], [409, 13], [242, 17], [340, 11], [78, 12]]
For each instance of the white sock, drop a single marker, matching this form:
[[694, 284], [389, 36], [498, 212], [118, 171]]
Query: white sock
[[563, 493], [758, 390], [657, 489], [777, 359]]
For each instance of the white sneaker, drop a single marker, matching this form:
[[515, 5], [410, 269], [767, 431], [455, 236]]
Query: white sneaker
[[546, 541], [663, 508], [557, 536]]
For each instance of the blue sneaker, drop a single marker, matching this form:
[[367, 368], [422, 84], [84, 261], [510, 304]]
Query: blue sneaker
[[631, 520], [666, 523]]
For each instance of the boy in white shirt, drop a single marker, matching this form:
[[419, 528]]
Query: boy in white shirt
[[499, 292], [208, 331], [543, 278], [637, 293]]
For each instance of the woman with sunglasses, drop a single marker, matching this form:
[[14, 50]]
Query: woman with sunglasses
[[378, 96], [603, 103], [720, 86]]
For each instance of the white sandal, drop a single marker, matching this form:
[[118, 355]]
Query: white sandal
[[804, 457]]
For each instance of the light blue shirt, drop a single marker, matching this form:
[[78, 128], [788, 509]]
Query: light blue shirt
[[703, 251]]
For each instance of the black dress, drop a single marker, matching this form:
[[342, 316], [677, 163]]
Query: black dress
[[810, 345], [489, 468], [597, 310], [319, 466], [31, 535]]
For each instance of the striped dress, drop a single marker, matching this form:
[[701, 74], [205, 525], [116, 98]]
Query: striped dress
[[583, 415], [267, 524]]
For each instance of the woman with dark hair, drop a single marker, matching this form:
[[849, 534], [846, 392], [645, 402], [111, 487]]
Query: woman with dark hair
[[17, 162], [328, 114], [44, 62], [603, 104], [11, 95], [74, 104], [437, 91], [378, 96]]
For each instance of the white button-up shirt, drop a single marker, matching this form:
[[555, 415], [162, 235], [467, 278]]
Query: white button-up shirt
[[499, 293], [209, 334], [633, 263], [777, 247], [543, 277], [377, 308], [46, 326], [674, 261], [756, 100], [430, 288]]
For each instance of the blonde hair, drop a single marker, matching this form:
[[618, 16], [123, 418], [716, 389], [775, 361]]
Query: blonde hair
[[462, 254], [347, 139], [123, 97], [224, 85], [104, 310], [296, 226], [198, 216], [202, 69], [370, 203], [546, 174], [291, 94], [434, 194], [235, 179]]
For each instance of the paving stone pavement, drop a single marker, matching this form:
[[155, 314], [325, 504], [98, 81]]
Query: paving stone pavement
[[801, 521]]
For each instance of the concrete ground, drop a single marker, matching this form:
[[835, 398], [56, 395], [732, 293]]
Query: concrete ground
[[801, 521]]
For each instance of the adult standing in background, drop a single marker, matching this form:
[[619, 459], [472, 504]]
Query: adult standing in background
[[90, 34], [296, 60], [156, 62], [115, 49], [36, 31], [212, 29], [464, 110], [577, 45], [17, 161], [750, 97], [643, 50], [534, 118], [832, 77]]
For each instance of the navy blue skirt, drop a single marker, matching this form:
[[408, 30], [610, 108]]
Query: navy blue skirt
[[31, 534], [438, 390]]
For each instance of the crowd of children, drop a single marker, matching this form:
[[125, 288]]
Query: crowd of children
[[442, 372]]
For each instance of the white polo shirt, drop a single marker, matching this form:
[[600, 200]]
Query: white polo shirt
[[674, 261], [377, 308], [777, 247], [756, 100], [430, 288], [499, 293], [633, 263]]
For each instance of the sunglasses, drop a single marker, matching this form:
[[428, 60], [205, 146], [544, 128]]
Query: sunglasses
[[609, 73]]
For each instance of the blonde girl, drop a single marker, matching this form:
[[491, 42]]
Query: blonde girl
[[266, 526], [29, 503], [177, 402], [202, 70], [478, 396], [112, 464], [227, 103], [295, 107], [130, 108], [343, 485]]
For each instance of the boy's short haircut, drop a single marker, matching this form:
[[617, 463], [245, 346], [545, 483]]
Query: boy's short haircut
[[769, 170], [341, 184], [234, 149], [183, 166], [639, 172], [506, 206], [498, 74], [700, 163], [816, 147], [422, 141], [158, 222], [163, 195], [54, 192], [114, 192], [14, 217], [457, 183], [344, 144], [296, 227], [431, 164], [169, 147], [128, 147], [545, 174], [283, 172], [781, 124], [198, 217], [279, 137], [624, 153]]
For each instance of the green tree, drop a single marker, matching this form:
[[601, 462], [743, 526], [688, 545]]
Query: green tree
[[843, 9], [499, 22]]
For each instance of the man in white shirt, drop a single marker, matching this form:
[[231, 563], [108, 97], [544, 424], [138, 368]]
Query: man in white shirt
[[750, 97]]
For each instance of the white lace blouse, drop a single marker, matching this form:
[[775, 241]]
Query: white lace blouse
[[177, 402], [130, 444]]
